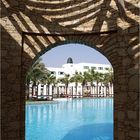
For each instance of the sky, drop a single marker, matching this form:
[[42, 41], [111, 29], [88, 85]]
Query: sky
[[80, 53]]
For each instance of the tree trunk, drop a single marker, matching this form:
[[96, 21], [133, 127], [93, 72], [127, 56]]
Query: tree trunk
[[48, 87], [34, 88], [76, 88], [47, 91], [91, 89], [101, 89], [37, 91], [97, 89], [82, 90], [107, 90], [52, 91], [94, 91], [57, 92], [66, 89], [112, 89], [72, 91], [28, 91]]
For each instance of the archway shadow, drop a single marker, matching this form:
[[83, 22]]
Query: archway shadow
[[103, 131]]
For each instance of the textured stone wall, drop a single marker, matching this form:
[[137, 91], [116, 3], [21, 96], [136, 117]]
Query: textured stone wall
[[32, 27]]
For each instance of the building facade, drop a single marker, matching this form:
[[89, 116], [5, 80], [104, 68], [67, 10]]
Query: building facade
[[71, 68], [72, 90]]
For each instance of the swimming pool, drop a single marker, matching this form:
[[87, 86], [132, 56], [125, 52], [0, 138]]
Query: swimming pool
[[78, 119]]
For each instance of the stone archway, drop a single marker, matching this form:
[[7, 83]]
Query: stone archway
[[100, 42], [29, 27]]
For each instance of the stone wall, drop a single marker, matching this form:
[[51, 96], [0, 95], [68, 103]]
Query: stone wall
[[32, 27]]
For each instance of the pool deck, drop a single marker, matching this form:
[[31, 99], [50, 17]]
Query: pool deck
[[60, 99], [40, 102], [47, 102]]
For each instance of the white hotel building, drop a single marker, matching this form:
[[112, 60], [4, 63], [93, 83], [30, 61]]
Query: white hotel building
[[70, 68]]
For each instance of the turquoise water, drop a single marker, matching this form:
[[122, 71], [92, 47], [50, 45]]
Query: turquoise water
[[78, 119]]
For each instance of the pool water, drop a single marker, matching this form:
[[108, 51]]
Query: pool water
[[78, 119]]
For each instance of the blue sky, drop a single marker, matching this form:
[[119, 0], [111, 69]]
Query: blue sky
[[57, 56]]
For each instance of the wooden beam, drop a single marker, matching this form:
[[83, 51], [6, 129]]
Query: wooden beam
[[70, 34]]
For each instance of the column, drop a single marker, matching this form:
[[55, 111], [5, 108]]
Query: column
[[50, 92], [112, 91], [45, 90], [39, 89], [80, 90], [98, 91]]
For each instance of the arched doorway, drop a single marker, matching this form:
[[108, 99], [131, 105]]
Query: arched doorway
[[101, 42], [59, 47]]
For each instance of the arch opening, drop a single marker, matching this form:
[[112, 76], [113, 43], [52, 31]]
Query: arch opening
[[100, 91]]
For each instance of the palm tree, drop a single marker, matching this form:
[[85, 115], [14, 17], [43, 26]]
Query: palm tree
[[28, 82], [106, 83], [98, 78], [91, 78], [83, 79], [102, 81], [55, 82], [108, 80], [34, 75], [76, 78], [48, 79], [66, 81]]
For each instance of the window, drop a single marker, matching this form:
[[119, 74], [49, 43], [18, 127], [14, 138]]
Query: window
[[53, 72], [93, 68], [100, 68], [106, 68], [86, 67], [61, 73]]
